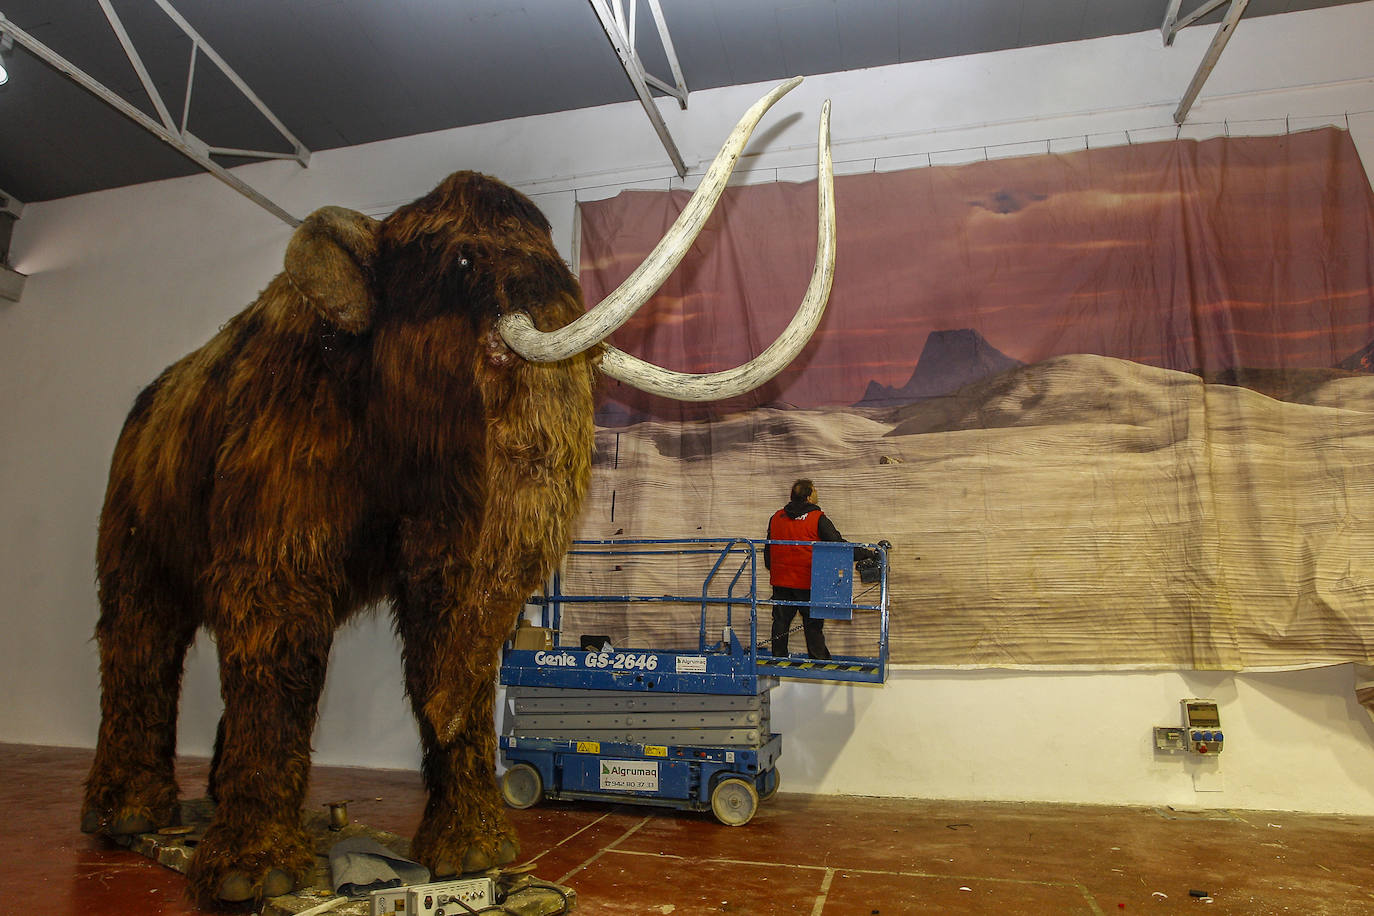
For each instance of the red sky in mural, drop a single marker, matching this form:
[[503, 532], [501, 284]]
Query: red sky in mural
[[1246, 252]]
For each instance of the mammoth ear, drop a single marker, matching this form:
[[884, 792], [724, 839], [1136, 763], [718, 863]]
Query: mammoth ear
[[330, 259]]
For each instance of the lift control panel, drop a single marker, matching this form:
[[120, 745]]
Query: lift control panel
[[1200, 733]]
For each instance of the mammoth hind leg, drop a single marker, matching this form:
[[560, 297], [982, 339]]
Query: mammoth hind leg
[[143, 633], [212, 785]]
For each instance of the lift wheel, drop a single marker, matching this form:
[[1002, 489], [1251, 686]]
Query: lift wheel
[[734, 801], [521, 786]]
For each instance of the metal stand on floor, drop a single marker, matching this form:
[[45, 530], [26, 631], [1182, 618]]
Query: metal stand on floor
[[173, 847]]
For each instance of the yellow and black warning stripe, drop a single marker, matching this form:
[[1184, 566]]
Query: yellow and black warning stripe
[[817, 666]]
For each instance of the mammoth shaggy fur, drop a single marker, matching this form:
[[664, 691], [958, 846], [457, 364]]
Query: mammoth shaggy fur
[[358, 434]]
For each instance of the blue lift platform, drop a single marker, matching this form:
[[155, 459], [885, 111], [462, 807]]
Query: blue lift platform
[[687, 727]]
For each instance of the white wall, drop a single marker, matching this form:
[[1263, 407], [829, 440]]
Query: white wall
[[1295, 740], [123, 282]]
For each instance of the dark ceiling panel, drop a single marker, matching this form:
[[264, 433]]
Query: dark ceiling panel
[[748, 34], [930, 30], [989, 25], [344, 72], [809, 35], [1122, 17], [868, 34], [1044, 22]]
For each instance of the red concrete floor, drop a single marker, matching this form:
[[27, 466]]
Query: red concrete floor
[[817, 855]]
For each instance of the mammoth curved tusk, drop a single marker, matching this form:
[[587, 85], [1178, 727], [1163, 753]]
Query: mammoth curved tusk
[[524, 338], [685, 386]]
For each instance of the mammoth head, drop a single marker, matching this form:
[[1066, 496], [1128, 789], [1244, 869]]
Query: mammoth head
[[476, 241], [476, 247]]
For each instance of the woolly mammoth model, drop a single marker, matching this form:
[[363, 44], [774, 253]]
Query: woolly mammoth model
[[404, 415]]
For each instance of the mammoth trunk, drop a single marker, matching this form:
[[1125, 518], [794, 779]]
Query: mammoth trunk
[[535, 468]]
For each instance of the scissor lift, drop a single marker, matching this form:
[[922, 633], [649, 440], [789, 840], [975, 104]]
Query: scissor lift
[[683, 729]]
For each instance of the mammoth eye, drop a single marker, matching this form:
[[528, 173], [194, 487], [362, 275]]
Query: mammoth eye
[[464, 263]]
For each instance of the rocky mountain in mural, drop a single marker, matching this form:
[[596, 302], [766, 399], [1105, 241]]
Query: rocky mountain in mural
[[1362, 361], [949, 361], [612, 414]]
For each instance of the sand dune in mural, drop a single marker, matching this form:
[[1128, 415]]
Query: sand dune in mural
[[1079, 511]]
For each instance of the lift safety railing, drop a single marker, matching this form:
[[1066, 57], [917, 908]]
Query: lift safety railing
[[733, 566]]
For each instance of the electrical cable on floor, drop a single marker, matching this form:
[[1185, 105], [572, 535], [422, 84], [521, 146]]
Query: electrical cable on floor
[[502, 908], [533, 882], [324, 907]]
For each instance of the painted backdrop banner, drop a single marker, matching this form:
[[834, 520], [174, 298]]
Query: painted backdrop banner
[[1113, 407]]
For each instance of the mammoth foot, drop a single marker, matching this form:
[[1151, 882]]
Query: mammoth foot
[[128, 823], [238, 887], [243, 863], [115, 814], [452, 847]]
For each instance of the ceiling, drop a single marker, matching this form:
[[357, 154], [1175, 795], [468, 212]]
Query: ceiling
[[344, 72]]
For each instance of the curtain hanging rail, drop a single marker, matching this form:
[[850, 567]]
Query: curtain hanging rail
[[532, 188], [653, 172]]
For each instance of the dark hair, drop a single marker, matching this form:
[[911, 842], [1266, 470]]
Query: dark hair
[[801, 490]]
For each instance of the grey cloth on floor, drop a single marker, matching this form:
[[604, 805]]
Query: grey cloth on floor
[[360, 864]]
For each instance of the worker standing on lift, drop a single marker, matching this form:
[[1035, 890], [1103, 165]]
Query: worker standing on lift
[[789, 566]]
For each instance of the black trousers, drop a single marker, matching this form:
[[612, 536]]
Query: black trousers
[[783, 616]]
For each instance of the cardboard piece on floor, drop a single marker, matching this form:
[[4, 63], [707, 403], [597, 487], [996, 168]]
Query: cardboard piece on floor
[[174, 847]]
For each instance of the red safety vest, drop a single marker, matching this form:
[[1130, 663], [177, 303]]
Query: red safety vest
[[789, 565]]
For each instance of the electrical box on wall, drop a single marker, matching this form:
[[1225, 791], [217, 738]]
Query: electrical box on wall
[[1200, 733]]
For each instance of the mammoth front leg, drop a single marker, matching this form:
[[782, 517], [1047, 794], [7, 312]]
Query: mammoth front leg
[[464, 828], [273, 642], [463, 580], [453, 628]]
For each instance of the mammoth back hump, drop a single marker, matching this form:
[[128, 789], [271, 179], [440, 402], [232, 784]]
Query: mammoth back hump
[[258, 398]]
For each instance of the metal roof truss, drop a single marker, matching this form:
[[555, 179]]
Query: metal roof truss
[[1173, 25], [173, 133], [620, 28]]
